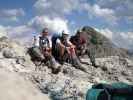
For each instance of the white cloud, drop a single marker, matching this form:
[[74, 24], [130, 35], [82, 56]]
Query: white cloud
[[3, 31], [58, 8], [122, 8], [106, 32], [52, 13], [124, 39], [20, 31], [105, 13], [11, 14], [127, 36], [24, 33], [53, 24]]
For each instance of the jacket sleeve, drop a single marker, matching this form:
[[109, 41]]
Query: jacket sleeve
[[83, 40], [50, 42]]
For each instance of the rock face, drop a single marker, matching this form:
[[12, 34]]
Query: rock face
[[19, 73], [100, 45]]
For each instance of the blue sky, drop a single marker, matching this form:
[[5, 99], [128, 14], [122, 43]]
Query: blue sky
[[113, 18]]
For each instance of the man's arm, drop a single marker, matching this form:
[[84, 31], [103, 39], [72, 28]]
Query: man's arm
[[58, 42], [70, 44]]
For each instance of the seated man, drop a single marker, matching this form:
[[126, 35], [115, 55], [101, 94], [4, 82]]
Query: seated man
[[43, 49], [66, 48], [80, 43]]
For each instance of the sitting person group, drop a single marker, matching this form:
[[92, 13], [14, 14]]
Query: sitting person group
[[63, 50]]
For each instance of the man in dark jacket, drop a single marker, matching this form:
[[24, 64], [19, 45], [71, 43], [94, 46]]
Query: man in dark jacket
[[80, 43]]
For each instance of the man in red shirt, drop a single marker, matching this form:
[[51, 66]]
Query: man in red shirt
[[80, 43]]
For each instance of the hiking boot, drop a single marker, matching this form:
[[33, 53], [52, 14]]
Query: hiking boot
[[80, 67], [93, 64], [61, 61], [76, 63], [55, 66], [56, 70]]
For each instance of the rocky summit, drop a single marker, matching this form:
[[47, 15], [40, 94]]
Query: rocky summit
[[25, 81], [101, 45]]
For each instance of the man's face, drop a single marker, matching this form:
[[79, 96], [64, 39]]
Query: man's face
[[65, 36], [78, 34], [44, 33]]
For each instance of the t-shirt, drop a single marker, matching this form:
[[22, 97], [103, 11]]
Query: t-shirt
[[59, 41], [45, 42]]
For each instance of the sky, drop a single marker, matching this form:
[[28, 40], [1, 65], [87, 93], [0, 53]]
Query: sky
[[21, 19]]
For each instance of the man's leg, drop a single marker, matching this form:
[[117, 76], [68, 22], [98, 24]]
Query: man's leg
[[75, 61], [37, 53], [61, 52], [53, 64], [91, 55]]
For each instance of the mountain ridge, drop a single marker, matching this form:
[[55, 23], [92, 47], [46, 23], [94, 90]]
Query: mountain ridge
[[102, 45]]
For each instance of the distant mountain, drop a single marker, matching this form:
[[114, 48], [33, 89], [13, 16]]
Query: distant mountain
[[100, 45]]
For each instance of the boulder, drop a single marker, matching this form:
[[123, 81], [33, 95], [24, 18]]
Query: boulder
[[8, 53]]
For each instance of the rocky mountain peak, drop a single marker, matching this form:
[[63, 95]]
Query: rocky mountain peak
[[101, 45]]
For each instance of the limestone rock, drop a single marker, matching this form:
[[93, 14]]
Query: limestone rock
[[8, 53], [15, 87]]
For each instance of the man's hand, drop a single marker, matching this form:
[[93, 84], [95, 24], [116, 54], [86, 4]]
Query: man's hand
[[48, 54], [72, 46], [71, 49], [48, 49]]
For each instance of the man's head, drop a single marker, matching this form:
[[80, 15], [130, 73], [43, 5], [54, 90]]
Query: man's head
[[45, 32], [79, 32], [65, 35]]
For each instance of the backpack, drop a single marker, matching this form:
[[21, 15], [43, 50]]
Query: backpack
[[54, 38], [115, 91], [54, 50]]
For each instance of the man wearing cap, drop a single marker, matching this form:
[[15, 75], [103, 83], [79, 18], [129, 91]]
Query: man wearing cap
[[44, 46], [80, 43], [64, 44], [66, 48]]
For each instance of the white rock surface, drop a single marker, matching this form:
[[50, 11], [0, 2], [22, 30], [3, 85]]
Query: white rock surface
[[15, 87], [69, 82]]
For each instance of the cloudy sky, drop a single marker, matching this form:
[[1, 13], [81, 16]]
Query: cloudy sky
[[23, 18]]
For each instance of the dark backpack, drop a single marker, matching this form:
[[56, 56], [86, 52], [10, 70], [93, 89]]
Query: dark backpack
[[54, 50], [115, 91], [54, 38]]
